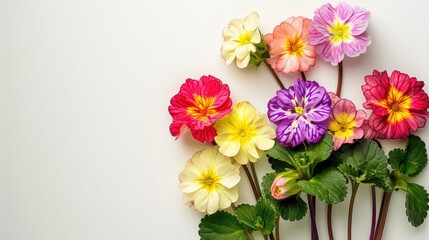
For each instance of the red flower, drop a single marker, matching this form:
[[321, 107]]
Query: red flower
[[398, 103], [197, 106]]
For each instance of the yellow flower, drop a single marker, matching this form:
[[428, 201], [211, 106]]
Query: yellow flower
[[209, 181], [240, 39], [244, 134]]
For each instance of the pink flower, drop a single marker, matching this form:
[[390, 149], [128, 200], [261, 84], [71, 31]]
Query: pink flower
[[339, 31], [289, 49], [398, 103], [285, 185], [197, 106], [345, 122]]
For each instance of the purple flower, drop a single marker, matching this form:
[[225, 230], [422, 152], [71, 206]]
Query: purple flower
[[300, 112], [339, 31]]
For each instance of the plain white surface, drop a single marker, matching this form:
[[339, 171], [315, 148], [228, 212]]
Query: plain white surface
[[85, 151]]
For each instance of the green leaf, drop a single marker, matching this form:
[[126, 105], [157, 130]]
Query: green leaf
[[321, 150], [267, 214], [416, 158], [221, 225], [267, 181], [416, 204], [293, 208], [396, 158], [329, 186], [365, 162], [247, 217], [279, 166], [281, 153]]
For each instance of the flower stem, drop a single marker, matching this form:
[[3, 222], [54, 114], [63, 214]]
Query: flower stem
[[255, 178], [329, 220], [374, 213], [355, 187], [252, 183], [279, 82], [382, 215], [303, 76], [312, 207], [340, 78], [278, 228]]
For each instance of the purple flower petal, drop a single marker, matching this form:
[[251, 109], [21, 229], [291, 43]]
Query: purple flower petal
[[290, 135]]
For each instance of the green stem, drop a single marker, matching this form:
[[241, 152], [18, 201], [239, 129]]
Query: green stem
[[355, 187], [279, 82], [255, 179], [340, 78], [382, 216], [252, 183], [329, 220]]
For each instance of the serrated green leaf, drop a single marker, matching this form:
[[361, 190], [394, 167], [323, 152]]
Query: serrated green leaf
[[321, 150], [247, 217], [267, 181], [396, 157], [279, 166], [329, 186], [365, 162], [221, 225], [416, 158], [416, 204], [293, 208], [266, 212], [281, 153]]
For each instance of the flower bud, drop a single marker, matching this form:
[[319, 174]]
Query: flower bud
[[285, 185]]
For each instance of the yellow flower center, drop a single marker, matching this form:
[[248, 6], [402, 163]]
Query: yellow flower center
[[340, 32], [343, 126], [294, 46], [397, 105], [245, 38], [299, 110], [203, 108], [209, 180]]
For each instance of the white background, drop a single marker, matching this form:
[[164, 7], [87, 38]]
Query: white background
[[85, 150]]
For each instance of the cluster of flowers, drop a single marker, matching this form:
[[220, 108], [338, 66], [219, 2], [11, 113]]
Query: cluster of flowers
[[300, 116]]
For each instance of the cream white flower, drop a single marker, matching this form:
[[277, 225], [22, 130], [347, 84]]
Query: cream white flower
[[240, 38], [209, 181]]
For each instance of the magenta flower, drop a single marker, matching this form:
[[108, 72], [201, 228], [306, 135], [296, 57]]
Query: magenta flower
[[197, 106], [301, 113], [339, 31]]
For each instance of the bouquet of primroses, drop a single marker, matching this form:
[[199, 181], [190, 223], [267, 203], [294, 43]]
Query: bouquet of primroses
[[320, 145]]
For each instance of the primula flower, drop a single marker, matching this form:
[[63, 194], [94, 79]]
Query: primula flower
[[289, 49], [339, 31], [209, 181], [345, 122], [301, 113], [398, 103], [242, 38], [285, 185], [197, 106], [243, 134]]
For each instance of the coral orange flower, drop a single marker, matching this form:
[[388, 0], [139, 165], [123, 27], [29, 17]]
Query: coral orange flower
[[345, 122], [398, 103], [197, 106], [289, 49]]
